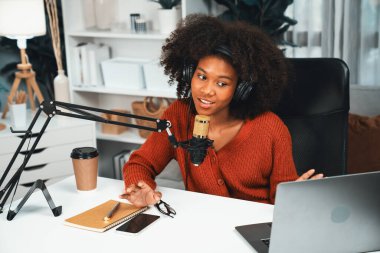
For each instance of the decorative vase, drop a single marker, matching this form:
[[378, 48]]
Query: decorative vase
[[167, 19], [105, 11], [61, 87], [89, 19]]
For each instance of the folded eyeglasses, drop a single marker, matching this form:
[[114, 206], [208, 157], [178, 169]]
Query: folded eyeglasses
[[165, 208]]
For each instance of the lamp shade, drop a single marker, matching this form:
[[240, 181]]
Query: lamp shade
[[22, 18]]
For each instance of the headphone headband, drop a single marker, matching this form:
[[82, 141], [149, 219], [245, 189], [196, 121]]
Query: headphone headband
[[223, 49]]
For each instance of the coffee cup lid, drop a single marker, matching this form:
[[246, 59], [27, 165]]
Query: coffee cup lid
[[84, 153]]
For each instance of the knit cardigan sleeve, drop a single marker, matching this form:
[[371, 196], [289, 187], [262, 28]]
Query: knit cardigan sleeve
[[151, 158], [283, 169]]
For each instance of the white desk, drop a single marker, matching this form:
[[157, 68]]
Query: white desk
[[204, 223]]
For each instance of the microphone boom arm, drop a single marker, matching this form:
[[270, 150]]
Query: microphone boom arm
[[51, 108]]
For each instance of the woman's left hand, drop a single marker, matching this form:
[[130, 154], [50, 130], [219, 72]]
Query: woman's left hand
[[310, 175]]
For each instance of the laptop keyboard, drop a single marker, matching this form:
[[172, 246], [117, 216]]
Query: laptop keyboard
[[266, 241]]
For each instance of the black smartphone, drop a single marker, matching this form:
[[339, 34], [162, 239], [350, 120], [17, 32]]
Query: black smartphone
[[137, 223]]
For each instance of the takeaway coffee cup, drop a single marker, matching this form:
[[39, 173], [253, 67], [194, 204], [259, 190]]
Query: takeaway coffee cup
[[85, 163]]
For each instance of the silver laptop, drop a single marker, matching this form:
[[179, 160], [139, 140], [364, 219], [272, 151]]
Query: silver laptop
[[335, 214]]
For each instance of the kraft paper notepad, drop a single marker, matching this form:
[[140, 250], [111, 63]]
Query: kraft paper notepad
[[93, 219]]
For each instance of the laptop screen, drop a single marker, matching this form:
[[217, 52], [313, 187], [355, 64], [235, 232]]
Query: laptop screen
[[337, 214]]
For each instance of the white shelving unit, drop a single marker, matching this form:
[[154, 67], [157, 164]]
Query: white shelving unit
[[123, 44]]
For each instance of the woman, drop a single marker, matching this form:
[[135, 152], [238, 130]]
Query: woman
[[233, 73]]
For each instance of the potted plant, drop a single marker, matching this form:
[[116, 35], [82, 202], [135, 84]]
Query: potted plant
[[266, 14], [168, 15]]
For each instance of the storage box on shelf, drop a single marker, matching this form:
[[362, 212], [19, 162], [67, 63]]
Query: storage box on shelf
[[124, 73], [51, 160], [155, 79], [115, 129]]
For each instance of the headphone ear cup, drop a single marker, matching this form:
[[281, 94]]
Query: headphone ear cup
[[188, 72], [187, 75], [243, 92]]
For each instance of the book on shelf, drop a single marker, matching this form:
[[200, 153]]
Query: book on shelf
[[119, 160], [86, 64], [94, 219], [76, 69], [95, 56]]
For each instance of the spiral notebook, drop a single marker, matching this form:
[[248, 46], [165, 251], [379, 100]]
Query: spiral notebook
[[93, 219]]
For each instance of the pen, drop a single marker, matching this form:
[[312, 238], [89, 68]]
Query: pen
[[111, 212]]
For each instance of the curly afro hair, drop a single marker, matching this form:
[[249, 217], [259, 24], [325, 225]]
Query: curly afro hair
[[254, 56]]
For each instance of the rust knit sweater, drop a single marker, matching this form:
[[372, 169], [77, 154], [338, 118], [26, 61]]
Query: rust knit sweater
[[248, 167]]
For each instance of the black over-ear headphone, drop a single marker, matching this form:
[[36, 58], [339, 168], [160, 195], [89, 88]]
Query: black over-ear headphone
[[243, 90]]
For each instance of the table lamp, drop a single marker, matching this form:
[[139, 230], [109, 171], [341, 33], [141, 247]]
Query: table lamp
[[22, 20]]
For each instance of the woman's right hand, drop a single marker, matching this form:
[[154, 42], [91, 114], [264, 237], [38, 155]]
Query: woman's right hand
[[310, 175], [141, 195]]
